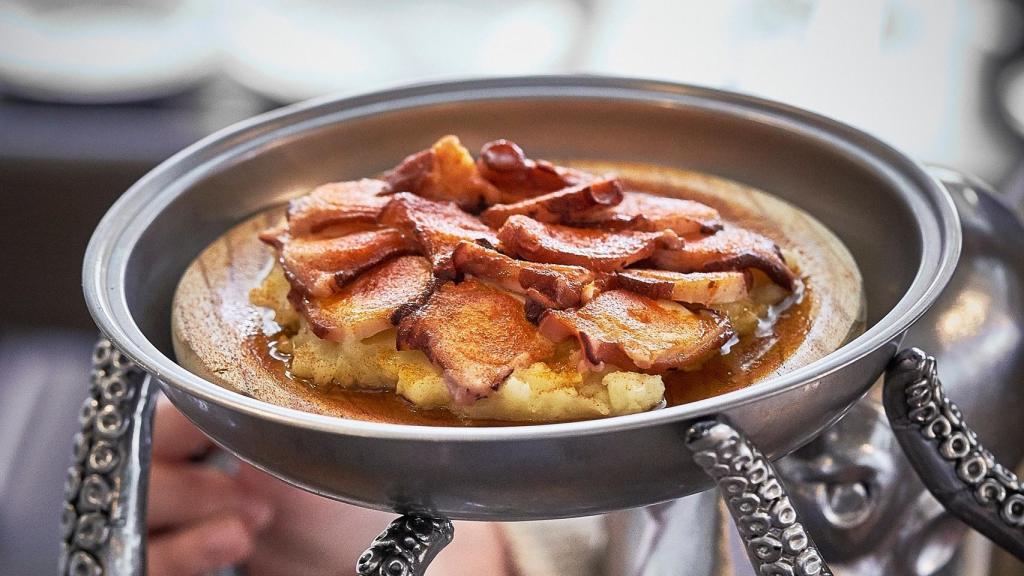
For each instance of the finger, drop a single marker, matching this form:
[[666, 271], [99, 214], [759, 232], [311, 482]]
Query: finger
[[174, 437], [201, 548], [479, 549], [187, 493]]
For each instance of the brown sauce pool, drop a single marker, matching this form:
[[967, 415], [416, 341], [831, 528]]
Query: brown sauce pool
[[371, 405], [751, 359]]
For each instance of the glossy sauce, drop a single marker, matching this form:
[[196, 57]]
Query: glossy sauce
[[369, 405], [750, 360]]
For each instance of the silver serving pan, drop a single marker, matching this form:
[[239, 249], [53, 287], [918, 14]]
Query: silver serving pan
[[898, 223]]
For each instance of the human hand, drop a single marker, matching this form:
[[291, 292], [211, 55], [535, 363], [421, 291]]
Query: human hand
[[202, 518]]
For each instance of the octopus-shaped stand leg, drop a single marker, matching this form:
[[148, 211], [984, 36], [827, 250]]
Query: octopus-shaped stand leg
[[406, 547], [775, 540], [103, 519], [945, 452]]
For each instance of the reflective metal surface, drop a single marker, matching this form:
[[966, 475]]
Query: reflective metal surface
[[867, 509], [103, 522], [406, 547], [947, 454], [976, 328], [770, 528], [654, 539], [897, 222]]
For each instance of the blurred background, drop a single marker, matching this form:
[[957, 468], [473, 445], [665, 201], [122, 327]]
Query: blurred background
[[95, 93]]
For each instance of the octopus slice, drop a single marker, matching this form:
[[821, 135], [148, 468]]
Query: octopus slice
[[335, 203], [504, 164], [276, 235], [438, 227], [598, 250], [634, 332], [729, 249], [704, 288], [552, 285], [647, 212], [446, 171], [555, 207], [476, 334], [319, 267], [373, 302]]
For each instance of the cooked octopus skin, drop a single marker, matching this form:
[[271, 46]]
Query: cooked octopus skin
[[638, 333], [336, 203], [444, 172], [598, 250], [373, 302], [649, 213], [476, 334], [558, 206], [319, 267], [436, 226], [729, 249], [556, 285], [504, 164]]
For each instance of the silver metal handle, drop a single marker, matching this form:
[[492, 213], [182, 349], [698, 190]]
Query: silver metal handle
[[946, 454], [103, 522], [775, 540], [406, 547]]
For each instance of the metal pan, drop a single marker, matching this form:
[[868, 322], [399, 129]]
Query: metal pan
[[898, 222]]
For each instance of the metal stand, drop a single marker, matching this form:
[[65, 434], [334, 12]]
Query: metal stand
[[406, 547], [776, 541], [945, 452], [103, 522]]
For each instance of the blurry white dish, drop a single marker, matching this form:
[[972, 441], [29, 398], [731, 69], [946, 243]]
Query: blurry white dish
[[99, 53]]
